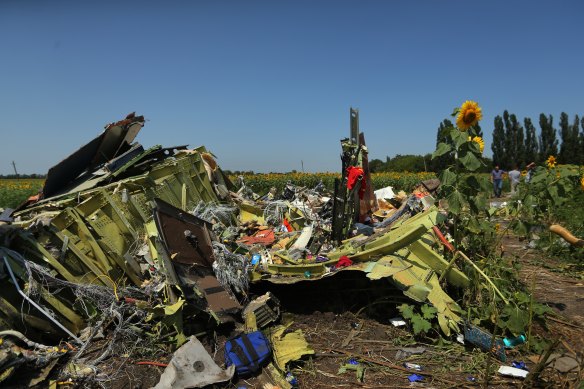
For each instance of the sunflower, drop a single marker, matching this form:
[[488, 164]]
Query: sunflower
[[469, 115], [479, 141], [551, 161]]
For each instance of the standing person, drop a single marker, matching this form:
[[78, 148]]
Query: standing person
[[514, 177], [497, 180]]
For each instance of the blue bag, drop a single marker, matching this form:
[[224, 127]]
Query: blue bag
[[247, 352]]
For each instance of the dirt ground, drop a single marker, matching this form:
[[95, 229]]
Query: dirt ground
[[347, 318], [353, 327]]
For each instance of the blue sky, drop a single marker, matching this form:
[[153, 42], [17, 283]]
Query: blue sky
[[267, 85]]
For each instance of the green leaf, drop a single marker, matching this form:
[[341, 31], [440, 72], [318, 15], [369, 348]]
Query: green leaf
[[472, 181], [428, 311], [458, 137], [517, 320], [530, 200], [469, 160], [420, 324], [520, 228], [474, 226], [447, 177], [541, 309], [481, 202], [406, 310], [443, 148], [553, 193], [455, 202], [539, 176]]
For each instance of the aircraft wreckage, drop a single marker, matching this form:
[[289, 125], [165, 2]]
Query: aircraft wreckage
[[158, 243]]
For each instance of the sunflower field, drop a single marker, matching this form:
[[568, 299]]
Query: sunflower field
[[261, 183], [15, 191]]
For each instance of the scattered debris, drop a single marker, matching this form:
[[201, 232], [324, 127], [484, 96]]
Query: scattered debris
[[512, 372], [415, 378], [192, 367], [127, 245], [289, 346], [406, 352]]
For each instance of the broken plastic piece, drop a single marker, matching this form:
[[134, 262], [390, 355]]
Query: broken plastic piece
[[416, 378], [192, 367], [291, 379], [397, 322], [512, 372], [484, 340], [512, 342], [519, 365], [414, 366], [407, 351]]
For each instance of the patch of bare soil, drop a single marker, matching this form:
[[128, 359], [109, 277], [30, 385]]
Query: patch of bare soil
[[554, 286]]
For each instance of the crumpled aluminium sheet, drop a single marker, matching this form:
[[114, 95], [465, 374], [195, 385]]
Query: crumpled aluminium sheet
[[191, 366]]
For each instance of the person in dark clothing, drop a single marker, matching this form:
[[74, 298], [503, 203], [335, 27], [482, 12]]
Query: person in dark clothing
[[497, 180]]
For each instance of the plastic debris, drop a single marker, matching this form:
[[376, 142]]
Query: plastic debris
[[512, 342], [397, 322], [414, 366], [519, 365], [512, 372], [460, 338], [292, 380], [416, 378], [483, 339], [405, 352], [192, 367]]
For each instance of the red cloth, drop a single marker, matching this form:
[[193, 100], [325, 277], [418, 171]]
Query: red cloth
[[354, 175], [344, 261]]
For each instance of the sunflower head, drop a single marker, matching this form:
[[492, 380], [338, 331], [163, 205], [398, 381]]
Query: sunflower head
[[469, 115], [551, 161], [479, 141]]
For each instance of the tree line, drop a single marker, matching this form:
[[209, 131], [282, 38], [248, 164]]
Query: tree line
[[514, 143]]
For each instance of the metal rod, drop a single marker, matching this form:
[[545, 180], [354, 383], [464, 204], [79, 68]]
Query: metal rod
[[34, 304]]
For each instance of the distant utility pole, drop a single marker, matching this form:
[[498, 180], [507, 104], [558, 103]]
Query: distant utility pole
[[14, 166], [302, 162]]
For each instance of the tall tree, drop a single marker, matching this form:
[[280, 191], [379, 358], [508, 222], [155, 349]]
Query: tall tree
[[531, 146], [576, 149], [581, 140], [514, 141], [443, 129], [565, 155], [498, 145], [442, 162], [509, 141], [548, 143], [479, 131]]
